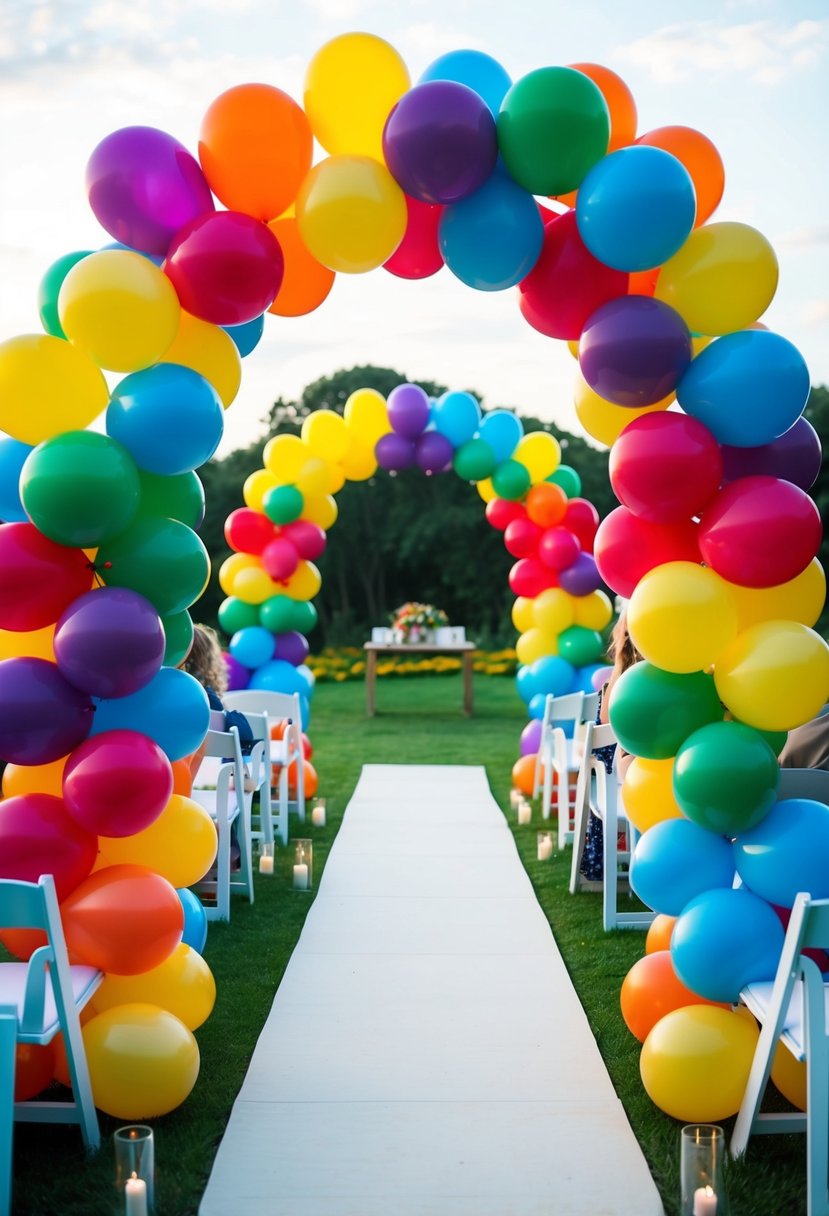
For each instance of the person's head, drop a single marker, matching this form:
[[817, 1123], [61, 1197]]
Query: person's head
[[204, 660], [621, 651]]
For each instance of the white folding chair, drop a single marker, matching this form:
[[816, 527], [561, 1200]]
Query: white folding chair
[[219, 786], [793, 1009], [804, 783], [37, 1000], [279, 707], [559, 757], [258, 782]]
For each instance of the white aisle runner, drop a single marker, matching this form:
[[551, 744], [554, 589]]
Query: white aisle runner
[[426, 1054]]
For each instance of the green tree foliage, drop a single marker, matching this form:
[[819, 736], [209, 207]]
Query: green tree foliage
[[817, 412]]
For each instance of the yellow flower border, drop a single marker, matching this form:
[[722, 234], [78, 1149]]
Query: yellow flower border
[[348, 663]]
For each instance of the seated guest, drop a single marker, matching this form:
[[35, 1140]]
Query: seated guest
[[808, 745]]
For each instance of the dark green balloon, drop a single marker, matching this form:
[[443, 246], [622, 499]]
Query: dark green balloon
[[474, 460], [511, 480], [654, 711], [178, 497], [776, 739], [283, 504], [554, 125], [80, 488], [178, 630], [567, 479], [281, 614], [161, 559], [580, 646], [726, 778], [49, 290], [304, 616], [234, 614]]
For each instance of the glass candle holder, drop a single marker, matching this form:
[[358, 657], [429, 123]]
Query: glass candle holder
[[515, 798], [303, 865], [318, 809], [135, 1168], [702, 1157], [545, 846], [525, 812], [266, 858]]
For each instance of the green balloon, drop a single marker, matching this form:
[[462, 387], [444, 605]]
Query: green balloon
[[567, 479], [511, 480], [554, 125], [49, 290], [178, 497], [776, 739], [178, 630], [281, 614], [305, 616], [474, 460], [283, 504], [161, 559], [80, 488], [580, 646], [654, 711], [726, 778], [234, 614]]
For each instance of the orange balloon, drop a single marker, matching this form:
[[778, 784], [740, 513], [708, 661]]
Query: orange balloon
[[34, 779], [546, 504], [619, 100], [651, 989], [659, 933], [22, 943], [523, 774], [305, 281], [643, 282], [34, 1067], [311, 780], [182, 778], [700, 157], [255, 148]]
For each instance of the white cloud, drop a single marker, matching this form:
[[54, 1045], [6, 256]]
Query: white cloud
[[805, 238], [814, 312], [337, 10]]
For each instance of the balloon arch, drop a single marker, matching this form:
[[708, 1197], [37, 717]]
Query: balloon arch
[[715, 541]]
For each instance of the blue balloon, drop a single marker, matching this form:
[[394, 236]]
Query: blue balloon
[[675, 861], [172, 709], [748, 388], [308, 678], [525, 683], [247, 335], [13, 455], [457, 416], [195, 920], [585, 677], [279, 676], [157, 259], [252, 646], [636, 208], [554, 676], [305, 711], [786, 853], [492, 239], [169, 418], [723, 940], [479, 72], [537, 705], [503, 431]]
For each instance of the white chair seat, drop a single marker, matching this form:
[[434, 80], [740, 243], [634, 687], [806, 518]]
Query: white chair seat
[[758, 999], [13, 977]]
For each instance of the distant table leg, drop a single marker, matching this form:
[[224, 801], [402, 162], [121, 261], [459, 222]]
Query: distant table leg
[[467, 685], [371, 675]]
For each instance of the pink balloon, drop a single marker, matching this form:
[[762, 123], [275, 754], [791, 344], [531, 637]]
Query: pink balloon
[[308, 539], [38, 836], [226, 267], [627, 547], [665, 467], [117, 783], [582, 519], [418, 255], [559, 548], [280, 559], [40, 578]]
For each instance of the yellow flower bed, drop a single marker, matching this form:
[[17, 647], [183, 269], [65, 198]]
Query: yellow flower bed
[[347, 663]]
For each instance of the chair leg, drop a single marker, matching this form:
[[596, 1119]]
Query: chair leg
[[300, 776], [817, 1100], [79, 1076], [758, 1079], [610, 864], [8, 1046], [579, 840], [223, 872], [547, 786]]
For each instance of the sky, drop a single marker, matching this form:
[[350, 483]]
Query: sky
[[753, 75]]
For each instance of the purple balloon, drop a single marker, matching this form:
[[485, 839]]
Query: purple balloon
[[634, 350], [292, 647], [440, 142], [531, 737], [394, 453], [600, 677], [434, 452], [408, 408], [795, 456], [42, 716], [582, 577], [110, 642], [238, 676], [143, 186]]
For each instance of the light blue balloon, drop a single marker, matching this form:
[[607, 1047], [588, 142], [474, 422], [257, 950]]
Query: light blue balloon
[[172, 709], [169, 418], [13, 455], [723, 940], [537, 705], [675, 861], [525, 683], [279, 676], [195, 920], [157, 259], [786, 853], [748, 388], [457, 416], [479, 72], [585, 677], [636, 208], [305, 711], [492, 239], [503, 432], [247, 335], [252, 646], [308, 677], [554, 676]]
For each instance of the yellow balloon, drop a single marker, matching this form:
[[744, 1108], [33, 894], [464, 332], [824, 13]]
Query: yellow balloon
[[573, 347], [254, 585], [486, 489], [304, 583], [789, 1075], [322, 511], [232, 566], [695, 1062], [351, 213], [523, 615], [593, 611], [120, 309], [47, 386], [681, 617], [326, 434], [535, 644], [180, 845], [211, 352], [143, 1062], [367, 415], [359, 462], [33, 644], [602, 419], [350, 87], [648, 793], [554, 610], [774, 675], [801, 599], [256, 486], [722, 279], [183, 985], [314, 477], [336, 478], [540, 454], [284, 456], [34, 779]]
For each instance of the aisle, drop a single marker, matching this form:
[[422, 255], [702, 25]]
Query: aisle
[[426, 1054]]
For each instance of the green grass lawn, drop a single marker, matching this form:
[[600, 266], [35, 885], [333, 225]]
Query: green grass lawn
[[419, 721]]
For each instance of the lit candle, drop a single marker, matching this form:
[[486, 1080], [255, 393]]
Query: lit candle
[[525, 813], [301, 877], [545, 848], [265, 864], [136, 1193], [318, 816], [705, 1201], [515, 798]]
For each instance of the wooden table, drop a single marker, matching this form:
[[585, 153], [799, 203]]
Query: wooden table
[[464, 649]]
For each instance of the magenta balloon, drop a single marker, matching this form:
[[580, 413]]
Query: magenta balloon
[[531, 737], [117, 783], [558, 548], [308, 539], [440, 142], [795, 456], [633, 351], [280, 559], [582, 577], [226, 267], [394, 453], [38, 836], [238, 676], [110, 642], [433, 452], [408, 408], [40, 577], [42, 716], [292, 647], [666, 467], [143, 186]]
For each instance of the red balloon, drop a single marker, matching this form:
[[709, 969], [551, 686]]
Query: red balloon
[[34, 1067], [308, 539], [248, 531], [117, 783], [559, 548], [226, 267], [529, 577], [40, 578], [627, 547], [582, 519], [280, 559], [418, 255], [123, 919], [665, 467], [521, 538], [502, 511], [38, 836], [567, 284], [760, 531]]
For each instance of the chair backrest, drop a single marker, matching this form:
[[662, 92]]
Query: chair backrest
[[590, 707], [809, 923], [804, 783], [30, 905], [275, 704], [564, 709], [23, 904]]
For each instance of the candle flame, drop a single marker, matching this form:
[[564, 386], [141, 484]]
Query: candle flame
[[133, 1175], [709, 1192]]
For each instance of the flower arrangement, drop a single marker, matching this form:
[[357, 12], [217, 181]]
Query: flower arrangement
[[412, 621]]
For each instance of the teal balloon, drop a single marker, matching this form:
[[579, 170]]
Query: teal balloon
[[178, 630], [281, 614], [726, 777], [511, 480], [457, 416], [161, 559], [172, 709], [49, 290], [474, 460], [479, 72], [13, 455], [503, 431], [180, 497], [234, 614], [580, 646], [80, 488], [654, 711], [283, 504], [491, 239], [567, 479]]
